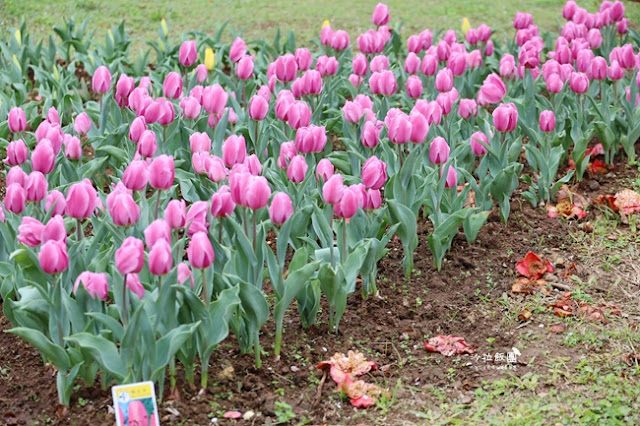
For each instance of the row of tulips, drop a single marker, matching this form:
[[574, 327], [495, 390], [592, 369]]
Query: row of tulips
[[180, 191]]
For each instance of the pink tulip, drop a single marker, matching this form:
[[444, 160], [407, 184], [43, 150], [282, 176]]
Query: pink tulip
[[122, 207], [286, 68], [598, 68], [615, 71], [258, 108], [215, 168], [30, 232], [202, 73], [492, 90], [53, 116], [214, 99], [312, 82], [172, 86], [101, 82], [200, 142], [136, 175], [379, 63], [505, 117], [188, 53], [160, 261], [348, 205], [457, 63], [529, 55], [258, 192], [297, 169], [73, 148], [324, 169], [55, 203], [579, 83], [414, 87], [95, 284], [137, 128], [133, 283], [239, 180], [234, 150], [238, 49], [374, 173], [327, 65], [130, 256], [507, 66], [326, 35], [617, 10], [359, 64], [569, 9], [547, 121], [53, 257], [124, 87], [15, 198], [81, 200], [414, 44], [190, 107], [17, 120], [429, 65], [281, 208], [554, 84], [253, 164], [222, 204], [352, 111], [200, 251], [303, 59], [245, 67], [444, 80], [439, 151], [380, 14], [370, 134], [157, 230], [419, 127], [36, 186], [311, 139], [17, 153], [175, 214], [168, 112], [298, 114], [16, 175], [82, 124], [2, 216], [399, 128], [477, 140], [54, 230], [43, 157], [333, 189], [372, 200], [467, 108], [162, 172], [522, 20], [184, 273], [452, 177], [147, 145], [340, 40]]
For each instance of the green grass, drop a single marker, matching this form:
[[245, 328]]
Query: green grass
[[258, 19]]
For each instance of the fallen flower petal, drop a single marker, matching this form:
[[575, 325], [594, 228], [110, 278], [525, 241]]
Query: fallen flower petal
[[448, 345], [529, 286], [532, 266], [232, 415]]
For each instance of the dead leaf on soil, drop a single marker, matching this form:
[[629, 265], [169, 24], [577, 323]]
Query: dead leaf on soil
[[557, 329], [525, 315], [631, 358], [227, 373], [565, 306], [528, 286], [448, 345]]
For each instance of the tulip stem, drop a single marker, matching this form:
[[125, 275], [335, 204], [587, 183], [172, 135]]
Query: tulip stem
[[220, 229], [344, 241], [246, 225], [58, 320], [125, 302], [159, 284], [333, 261], [256, 349], [157, 204], [79, 230], [164, 134], [204, 289], [255, 248]]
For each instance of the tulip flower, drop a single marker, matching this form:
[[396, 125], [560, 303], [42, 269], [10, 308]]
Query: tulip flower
[[200, 142], [190, 107], [399, 128], [101, 82], [467, 108], [258, 192], [122, 207], [196, 218], [298, 115], [324, 169], [30, 232], [81, 200], [147, 145], [281, 208], [303, 58], [132, 282], [340, 40], [54, 230], [17, 120], [286, 68], [359, 64], [452, 176], [73, 148], [311, 139], [53, 116], [200, 251], [505, 117], [82, 123], [130, 256], [15, 198], [175, 214], [209, 58], [297, 169], [53, 257], [162, 172], [234, 150], [136, 175], [222, 204], [547, 121], [184, 274], [238, 50], [258, 108], [370, 134], [137, 128], [36, 186], [444, 80], [214, 99], [333, 189], [374, 173], [347, 207], [160, 261], [157, 230], [245, 67], [17, 153], [55, 203], [579, 83], [188, 53], [478, 142], [380, 15], [414, 87], [439, 151], [43, 157], [124, 87]]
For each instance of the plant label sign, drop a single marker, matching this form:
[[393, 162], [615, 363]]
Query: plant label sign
[[135, 404]]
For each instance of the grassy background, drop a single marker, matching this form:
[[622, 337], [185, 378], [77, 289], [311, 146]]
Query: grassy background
[[259, 18]]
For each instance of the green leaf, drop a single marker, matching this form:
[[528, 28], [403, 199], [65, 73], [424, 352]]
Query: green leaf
[[50, 350], [103, 351]]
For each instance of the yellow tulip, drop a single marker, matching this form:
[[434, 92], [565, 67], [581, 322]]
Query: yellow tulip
[[18, 37], [466, 26], [326, 23], [163, 25], [209, 58]]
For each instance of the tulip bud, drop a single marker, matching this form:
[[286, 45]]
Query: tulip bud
[[452, 176], [122, 207], [477, 140], [333, 189], [258, 192], [439, 151], [200, 251], [17, 153], [245, 67], [348, 205], [17, 120], [36, 186], [101, 82], [172, 86], [374, 173], [505, 117], [136, 175], [258, 108], [162, 172], [43, 157], [200, 142], [53, 116], [380, 15], [414, 87], [281, 208], [73, 148], [130, 256], [30, 232], [53, 257], [15, 198], [444, 80], [238, 49], [324, 169], [547, 121], [303, 58], [467, 108], [160, 261], [55, 203], [297, 169], [222, 204], [188, 53], [234, 150], [147, 146], [190, 107], [370, 134]]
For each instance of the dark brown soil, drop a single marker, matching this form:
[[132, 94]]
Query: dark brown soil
[[389, 329]]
